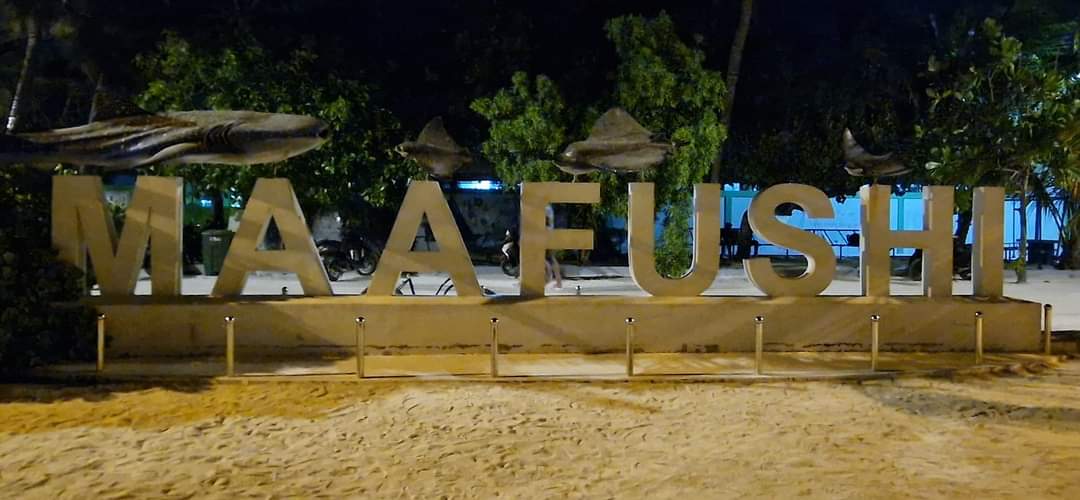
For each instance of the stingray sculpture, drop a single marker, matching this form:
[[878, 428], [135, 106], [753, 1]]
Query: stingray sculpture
[[121, 136], [616, 143], [435, 150], [863, 164]]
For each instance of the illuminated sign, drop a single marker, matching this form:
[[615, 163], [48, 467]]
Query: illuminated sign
[[82, 225], [676, 316]]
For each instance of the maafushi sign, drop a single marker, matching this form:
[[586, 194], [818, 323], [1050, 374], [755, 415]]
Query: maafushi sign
[[82, 222], [676, 316]]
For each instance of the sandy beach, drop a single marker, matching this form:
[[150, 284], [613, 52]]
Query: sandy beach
[[992, 435]]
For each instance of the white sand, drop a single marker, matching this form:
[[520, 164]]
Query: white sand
[[974, 437], [977, 437]]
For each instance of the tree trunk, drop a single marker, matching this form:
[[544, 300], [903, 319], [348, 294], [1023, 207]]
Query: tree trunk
[[734, 63], [963, 226], [744, 241], [68, 102], [1073, 259], [22, 83], [1070, 229], [99, 87], [217, 200], [963, 222], [1070, 236], [1021, 263]]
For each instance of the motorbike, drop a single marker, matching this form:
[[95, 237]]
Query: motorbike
[[961, 262], [340, 257], [509, 261]]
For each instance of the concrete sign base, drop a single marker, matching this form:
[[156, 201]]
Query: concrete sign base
[[167, 326]]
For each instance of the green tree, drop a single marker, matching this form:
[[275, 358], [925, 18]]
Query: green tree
[[995, 116], [662, 82], [40, 319], [357, 159], [665, 84], [32, 20], [1059, 182], [529, 123]]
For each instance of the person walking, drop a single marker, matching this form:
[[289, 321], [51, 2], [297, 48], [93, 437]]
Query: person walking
[[554, 272]]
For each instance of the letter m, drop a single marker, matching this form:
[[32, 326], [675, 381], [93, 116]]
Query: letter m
[[82, 223]]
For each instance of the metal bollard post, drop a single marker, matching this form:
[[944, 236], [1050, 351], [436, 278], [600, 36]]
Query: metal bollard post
[[1048, 329], [759, 343], [874, 320], [978, 337], [630, 347], [230, 346], [361, 328], [100, 342], [494, 347]]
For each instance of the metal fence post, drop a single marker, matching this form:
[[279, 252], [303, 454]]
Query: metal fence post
[[494, 347], [759, 343], [1048, 328], [630, 347], [978, 337], [100, 342], [230, 346], [361, 327], [874, 321]]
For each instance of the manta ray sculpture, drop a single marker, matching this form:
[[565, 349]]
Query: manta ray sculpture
[[435, 150], [616, 143], [863, 164], [121, 136]]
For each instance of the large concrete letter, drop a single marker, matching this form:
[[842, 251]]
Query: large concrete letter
[[272, 199], [425, 198], [935, 239], [536, 238], [81, 221], [987, 249], [706, 242], [820, 261]]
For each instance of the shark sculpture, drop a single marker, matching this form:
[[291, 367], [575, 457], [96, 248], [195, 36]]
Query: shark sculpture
[[616, 143], [121, 136], [435, 150], [863, 164]]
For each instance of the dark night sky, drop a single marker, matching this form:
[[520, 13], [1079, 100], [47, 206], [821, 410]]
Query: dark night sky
[[434, 58]]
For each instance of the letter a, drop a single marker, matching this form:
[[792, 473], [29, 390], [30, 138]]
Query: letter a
[[425, 198], [272, 199]]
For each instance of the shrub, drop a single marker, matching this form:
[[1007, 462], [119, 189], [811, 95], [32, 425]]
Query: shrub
[[40, 320]]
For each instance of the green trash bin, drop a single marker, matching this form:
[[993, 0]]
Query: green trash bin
[[215, 244]]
